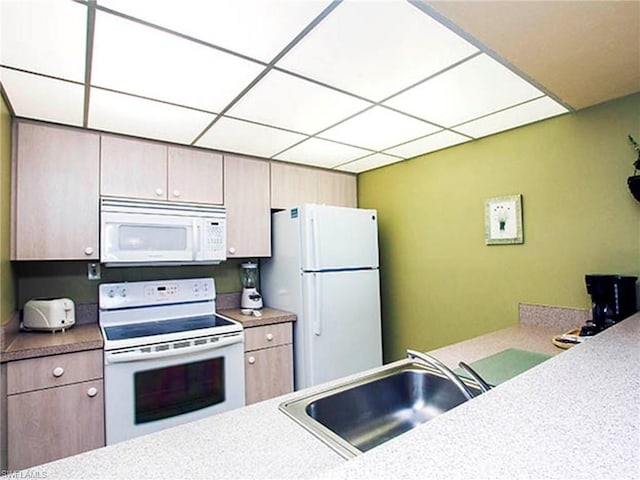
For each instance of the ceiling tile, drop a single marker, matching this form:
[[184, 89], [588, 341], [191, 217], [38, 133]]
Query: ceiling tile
[[116, 112], [285, 101], [257, 28], [475, 88], [529, 112], [321, 153], [42, 98], [44, 37], [249, 138], [378, 128], [369, 163], [132, 58], [430, 143], [375, 49]]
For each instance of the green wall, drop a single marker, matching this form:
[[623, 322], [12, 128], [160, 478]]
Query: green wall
[[69, 278], [440, 282], [7, 293]]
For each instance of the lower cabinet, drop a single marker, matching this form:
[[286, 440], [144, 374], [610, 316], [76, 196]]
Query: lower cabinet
[[268, 361], [55, 407]]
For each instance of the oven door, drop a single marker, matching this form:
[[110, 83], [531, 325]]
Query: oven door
[[164, 387]]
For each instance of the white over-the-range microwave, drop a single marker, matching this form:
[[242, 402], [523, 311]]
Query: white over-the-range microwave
[[150, 232]]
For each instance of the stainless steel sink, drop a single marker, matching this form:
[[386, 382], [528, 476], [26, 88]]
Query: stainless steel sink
[[357, 415]]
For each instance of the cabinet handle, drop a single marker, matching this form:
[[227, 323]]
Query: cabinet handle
[[58, 371], [269, 336], [88, 251], [252, 360], [92, 392], [159, 192], [176, 193], [232, 250]]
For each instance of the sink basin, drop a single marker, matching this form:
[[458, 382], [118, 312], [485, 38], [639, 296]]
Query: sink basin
[[360, 414]]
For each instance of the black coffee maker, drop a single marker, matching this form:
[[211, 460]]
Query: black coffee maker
[[613, 298]]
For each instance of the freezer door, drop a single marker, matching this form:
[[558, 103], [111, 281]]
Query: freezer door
[[338, 238], [340, 331]]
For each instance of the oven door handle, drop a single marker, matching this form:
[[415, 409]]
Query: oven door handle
[[137, 355]]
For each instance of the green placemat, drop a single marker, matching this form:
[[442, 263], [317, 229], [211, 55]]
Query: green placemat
[[502, 366]]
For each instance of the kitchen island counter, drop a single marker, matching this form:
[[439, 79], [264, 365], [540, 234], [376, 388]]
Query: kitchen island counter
[[573, 416]]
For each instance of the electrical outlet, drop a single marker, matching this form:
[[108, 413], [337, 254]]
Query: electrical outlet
[[93, 271]]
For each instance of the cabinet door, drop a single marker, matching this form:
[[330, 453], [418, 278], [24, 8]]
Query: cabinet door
[[45, 425], [268, 373], [294, 185], [246, 198], [336, 188], [194, 176], [133, 168], [56, 193]]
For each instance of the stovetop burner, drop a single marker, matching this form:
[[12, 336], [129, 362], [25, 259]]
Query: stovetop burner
[[163, 327]]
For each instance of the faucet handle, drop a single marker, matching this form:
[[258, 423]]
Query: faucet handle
[[484, 386]]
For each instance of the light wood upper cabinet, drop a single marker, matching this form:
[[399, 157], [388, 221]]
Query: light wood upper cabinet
[[150, 170], [246, 198], [194, 176], [56, 172], [293, 185], [133, 168]]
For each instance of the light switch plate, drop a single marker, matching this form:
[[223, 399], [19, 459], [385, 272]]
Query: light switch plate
[[93, 271]]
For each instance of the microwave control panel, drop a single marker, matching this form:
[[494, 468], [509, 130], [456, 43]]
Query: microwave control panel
[[215, 237]]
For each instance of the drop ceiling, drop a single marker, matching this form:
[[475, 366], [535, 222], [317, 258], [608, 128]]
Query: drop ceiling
[[351, 85]]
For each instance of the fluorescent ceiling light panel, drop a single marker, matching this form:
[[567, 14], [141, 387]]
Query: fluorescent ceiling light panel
[[529, 112], [369, 163], [257, 28], [42, 98], [321, 153], [288, 102], [45, 37], [375, 49], [132, 58], [116, 112], [475, 88], [233, 135], [378, 128], [431, 143]]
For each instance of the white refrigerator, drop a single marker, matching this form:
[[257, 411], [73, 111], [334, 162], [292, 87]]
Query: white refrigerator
[[324, 268]]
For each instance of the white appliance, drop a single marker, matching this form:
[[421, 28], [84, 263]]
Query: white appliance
[[324, 267], [169, 359], [250, 298], [48, 314], [150, 232]]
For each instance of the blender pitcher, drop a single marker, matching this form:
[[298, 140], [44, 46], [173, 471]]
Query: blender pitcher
[[251, 298]]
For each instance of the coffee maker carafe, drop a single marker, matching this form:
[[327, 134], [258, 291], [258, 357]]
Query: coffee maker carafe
[[613, 299]]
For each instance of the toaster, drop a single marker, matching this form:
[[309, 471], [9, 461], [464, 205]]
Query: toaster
[[48, 314]]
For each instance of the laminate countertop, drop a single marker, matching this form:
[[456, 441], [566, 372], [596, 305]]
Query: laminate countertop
[[22, 345], [572, 416], [268, 316]]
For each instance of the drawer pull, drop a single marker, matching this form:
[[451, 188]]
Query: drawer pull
[[58, 371], [252, 360], [92, 392], [269, 336]]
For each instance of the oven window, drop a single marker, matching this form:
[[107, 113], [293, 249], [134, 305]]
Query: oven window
[[170, 391], [153, 237]]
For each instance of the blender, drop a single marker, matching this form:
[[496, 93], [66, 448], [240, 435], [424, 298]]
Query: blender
[[251, 298]]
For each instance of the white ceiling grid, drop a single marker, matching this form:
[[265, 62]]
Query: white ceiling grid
[[350, 85]]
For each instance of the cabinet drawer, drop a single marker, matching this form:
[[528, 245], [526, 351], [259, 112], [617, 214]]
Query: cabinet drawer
[[267, 336], [53, 371]]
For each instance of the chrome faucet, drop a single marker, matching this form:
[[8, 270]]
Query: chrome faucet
[[442, 368], [484, 386]]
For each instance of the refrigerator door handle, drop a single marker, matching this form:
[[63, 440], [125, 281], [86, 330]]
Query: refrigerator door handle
[[317, 305], [314, 239]]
